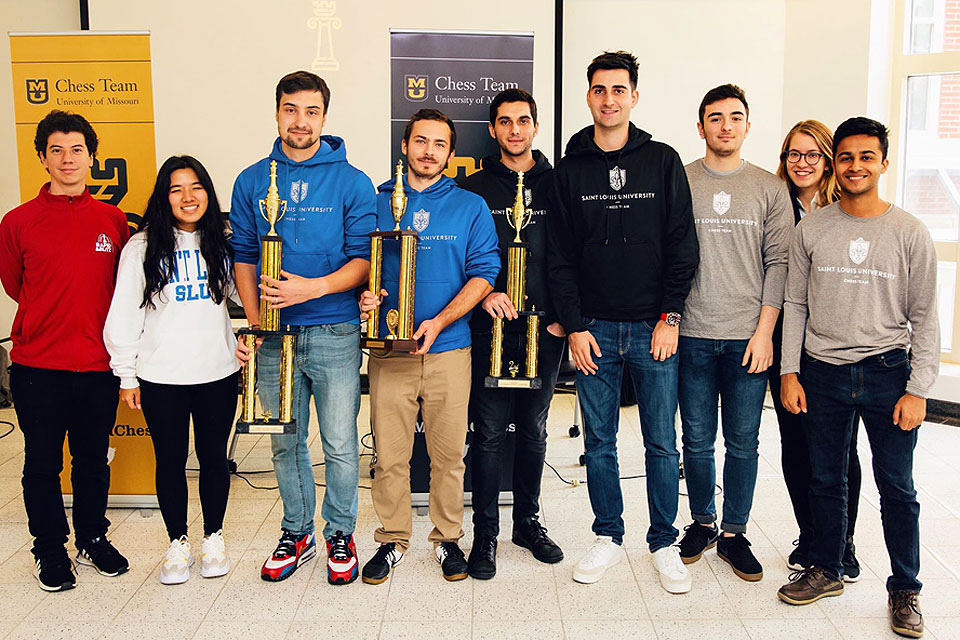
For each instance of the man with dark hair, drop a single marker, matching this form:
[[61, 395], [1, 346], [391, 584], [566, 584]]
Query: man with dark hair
[[513, 124], [743, 219], [58, 260], [457, 263], [330, 209], [622, 253], [861, 330]]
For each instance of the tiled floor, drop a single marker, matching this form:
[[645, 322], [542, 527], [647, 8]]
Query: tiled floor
[[525, 600]]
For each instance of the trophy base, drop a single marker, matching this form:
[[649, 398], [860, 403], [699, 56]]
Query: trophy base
[[285, 330], [511, 383], [389, 344], [267, 426]]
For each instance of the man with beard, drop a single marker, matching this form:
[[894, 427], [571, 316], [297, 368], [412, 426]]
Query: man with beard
[[743, 219], [513, 124], [331, 208], [457, 263]]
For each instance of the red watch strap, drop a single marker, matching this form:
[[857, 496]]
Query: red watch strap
[[663, 317]]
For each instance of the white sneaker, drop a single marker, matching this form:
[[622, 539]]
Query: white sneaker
[[175, 568], [213, 556], [604, 554], [674, 576]]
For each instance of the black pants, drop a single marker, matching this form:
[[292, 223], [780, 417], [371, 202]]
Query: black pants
[[492, 412], [51, 405], [795, 456], [167, 409]]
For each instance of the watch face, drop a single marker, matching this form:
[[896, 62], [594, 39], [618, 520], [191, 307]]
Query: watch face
[[673, 319]]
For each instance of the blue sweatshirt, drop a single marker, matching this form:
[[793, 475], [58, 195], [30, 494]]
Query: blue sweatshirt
[[458, 241], [330, 210]]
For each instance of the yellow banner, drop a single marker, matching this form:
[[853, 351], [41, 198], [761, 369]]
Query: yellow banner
[[106, 78]]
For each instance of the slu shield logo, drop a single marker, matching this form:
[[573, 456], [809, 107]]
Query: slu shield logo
[[618, 178], [420, 220], [858, 250], [721, 203], [527, 197], [38, 90], [416, 87], [298, 191]]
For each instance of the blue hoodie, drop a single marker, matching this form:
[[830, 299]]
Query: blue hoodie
[[458, 241], [330, 210]]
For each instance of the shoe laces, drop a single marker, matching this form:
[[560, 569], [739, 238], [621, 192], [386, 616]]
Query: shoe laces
[[449, 549], [98, 546], [340, 547], [674, 564], [178, 551], [386, 552], [595, 552], [213, 544], [535, 531], [807, 573], [287, 546], [905, 600]]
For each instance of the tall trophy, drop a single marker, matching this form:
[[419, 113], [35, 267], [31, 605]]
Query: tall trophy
[[399, 319], [518, 217], [272, 208]]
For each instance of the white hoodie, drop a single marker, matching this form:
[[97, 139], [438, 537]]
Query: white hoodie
[[186, 339]]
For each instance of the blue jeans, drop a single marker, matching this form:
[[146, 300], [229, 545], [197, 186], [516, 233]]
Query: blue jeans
[[656, 386], [835, 393], [327, 368], [710, 369]]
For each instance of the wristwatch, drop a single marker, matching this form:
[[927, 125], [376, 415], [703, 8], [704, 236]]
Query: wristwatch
[[672, 319]]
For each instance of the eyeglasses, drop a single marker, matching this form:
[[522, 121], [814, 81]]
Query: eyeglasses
[[793, 156]]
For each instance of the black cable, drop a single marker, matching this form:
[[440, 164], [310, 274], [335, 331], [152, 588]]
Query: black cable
[[10, 430]]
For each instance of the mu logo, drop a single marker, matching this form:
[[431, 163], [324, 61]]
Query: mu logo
[[38, 90], [416, 88]]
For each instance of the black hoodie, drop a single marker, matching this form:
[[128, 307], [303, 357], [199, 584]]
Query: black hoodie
[[622, 243], [497, 184]]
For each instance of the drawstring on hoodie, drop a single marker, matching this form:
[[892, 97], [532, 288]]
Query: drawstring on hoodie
[[606, 233]]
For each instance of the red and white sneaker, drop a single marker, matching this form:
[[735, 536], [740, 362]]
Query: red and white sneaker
[[342, 565], [294, 549]]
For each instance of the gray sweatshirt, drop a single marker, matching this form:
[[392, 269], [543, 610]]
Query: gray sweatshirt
[[743, 220], [858, 287]]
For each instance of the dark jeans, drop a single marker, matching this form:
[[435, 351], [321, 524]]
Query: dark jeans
[[656, 385], [835, 394], [167, 409], [492, 412], [795, 462], [712, 370], [51, 405]]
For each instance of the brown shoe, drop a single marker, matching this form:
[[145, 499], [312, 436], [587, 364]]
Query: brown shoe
[[905, 616], [809, 586]]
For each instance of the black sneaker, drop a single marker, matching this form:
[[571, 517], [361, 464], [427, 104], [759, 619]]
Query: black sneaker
[[532, 535], [851, 566], [56, 574], [451, 560], [102, 556], [697, 539], [378, 567], [482, 564], [735, 551], [799, 558]]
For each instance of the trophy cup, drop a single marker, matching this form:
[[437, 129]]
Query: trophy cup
[[518, 217], [272, 208], [399, 320]]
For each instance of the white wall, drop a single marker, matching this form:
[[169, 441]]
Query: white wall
[[684, 48]]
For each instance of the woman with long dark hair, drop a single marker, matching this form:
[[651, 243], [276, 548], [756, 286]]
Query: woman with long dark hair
[[806, 163], [171, 344]]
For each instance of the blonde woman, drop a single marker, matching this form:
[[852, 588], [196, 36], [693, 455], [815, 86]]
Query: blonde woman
[[806, 164]]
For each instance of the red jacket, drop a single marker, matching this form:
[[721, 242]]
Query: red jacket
[[58, 260]]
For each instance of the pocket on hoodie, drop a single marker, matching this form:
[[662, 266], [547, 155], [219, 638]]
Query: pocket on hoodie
[[307, 265], [619, 275]]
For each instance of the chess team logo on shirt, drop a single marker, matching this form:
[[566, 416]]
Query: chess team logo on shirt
[[858, 250], [721, 203], [104, 243], [420, 220], [298, 191], [527, 197], [618, 178]]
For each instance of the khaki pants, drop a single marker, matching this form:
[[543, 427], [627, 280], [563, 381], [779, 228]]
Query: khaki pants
[[441, 381]]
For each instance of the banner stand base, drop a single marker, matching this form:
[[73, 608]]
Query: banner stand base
[[122, 501]]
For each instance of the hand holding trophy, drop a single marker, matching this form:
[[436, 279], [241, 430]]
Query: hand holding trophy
[[272, 208], [518, 217]]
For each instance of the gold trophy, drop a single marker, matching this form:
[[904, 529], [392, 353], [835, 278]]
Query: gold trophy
[[399, 320], [518, 217], [272, 208]]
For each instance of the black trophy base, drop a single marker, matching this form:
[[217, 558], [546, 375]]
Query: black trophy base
[[390, 344], [267, 426], [511, 383]]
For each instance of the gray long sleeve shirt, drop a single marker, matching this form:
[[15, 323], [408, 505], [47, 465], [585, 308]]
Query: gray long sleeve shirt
[[743, 220], [858, 287]]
